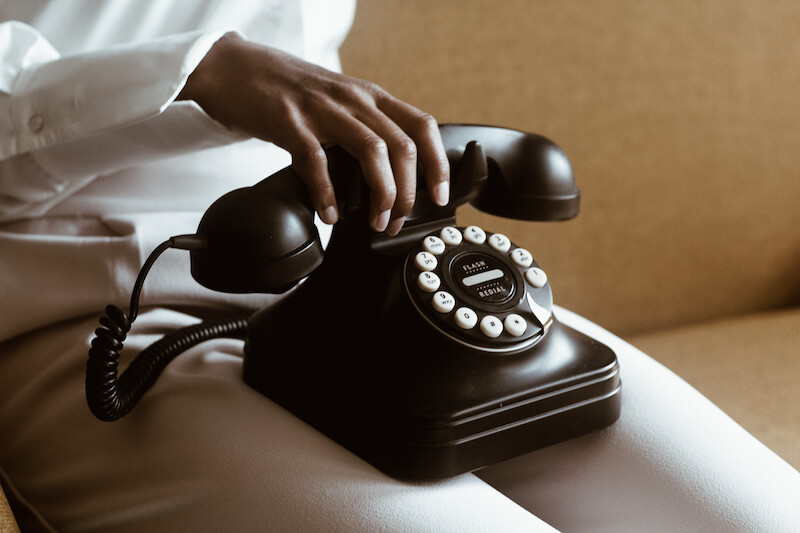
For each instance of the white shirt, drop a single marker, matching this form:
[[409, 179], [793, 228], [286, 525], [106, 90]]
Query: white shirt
[[99, 163]]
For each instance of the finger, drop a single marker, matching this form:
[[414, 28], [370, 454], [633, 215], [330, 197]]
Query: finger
[[423, 129], [403, 161], [388, 160], [310, 162]]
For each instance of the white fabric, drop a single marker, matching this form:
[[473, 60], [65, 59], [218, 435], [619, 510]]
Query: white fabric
[[203, 452], [96, 151], [83, 201]]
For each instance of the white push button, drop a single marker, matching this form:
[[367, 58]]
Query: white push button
[[515, 324], [425, 261], [491, 326], [522, 257], [451, 236], [483, 277], [443, 302], [499, 242], [465, 318], [428, 281], [434, 245], [474, 234], [536, 277]]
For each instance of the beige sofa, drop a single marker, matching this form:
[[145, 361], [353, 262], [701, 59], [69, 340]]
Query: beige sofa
[[682, 122]]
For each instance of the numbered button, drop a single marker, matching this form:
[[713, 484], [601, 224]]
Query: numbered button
[[428, 281], [491, 326], [499, 242], [451, 236], [443, 302], [465, 318], [475, 235], [536, 277], [425, 261], [434, 245], [515, 324], [522, 257]]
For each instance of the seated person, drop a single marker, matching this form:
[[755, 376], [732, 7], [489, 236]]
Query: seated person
[[125, 121]]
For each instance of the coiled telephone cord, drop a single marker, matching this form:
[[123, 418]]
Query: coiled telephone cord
[[111, 397]]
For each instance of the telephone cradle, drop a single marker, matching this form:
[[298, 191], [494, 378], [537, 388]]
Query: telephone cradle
[[429, 354]]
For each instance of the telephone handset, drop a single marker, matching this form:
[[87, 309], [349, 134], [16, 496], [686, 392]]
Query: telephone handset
[[430, 353], [262, 238]]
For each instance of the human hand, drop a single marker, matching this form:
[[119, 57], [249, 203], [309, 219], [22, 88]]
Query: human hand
[[301, 107]]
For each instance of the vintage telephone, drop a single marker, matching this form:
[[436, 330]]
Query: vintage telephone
[[429, 354]]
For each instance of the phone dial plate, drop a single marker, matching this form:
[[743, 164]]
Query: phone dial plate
[[479, 289]]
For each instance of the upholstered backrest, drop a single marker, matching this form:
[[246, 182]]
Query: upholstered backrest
[[681, 119]]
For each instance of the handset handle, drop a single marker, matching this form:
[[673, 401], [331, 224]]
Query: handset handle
[[263, 238]]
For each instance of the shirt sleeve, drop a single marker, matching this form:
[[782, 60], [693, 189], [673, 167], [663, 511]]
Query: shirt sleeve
[[67, 119]]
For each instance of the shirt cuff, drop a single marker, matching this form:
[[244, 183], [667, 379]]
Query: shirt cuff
[[181, 128], [83, 95]]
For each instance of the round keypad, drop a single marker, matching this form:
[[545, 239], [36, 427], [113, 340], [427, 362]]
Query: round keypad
[[500, 242], [465, 318], [443, 301], [479, 288], [428, 281], [451, 235], [474, 234], [515, 324], [425, 261], [491, 326], [521, 257], [536, 277], [434, 245]]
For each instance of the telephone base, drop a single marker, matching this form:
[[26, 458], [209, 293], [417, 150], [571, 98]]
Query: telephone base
[[439, 413]]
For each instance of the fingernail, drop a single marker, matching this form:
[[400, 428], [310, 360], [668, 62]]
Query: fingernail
[[395, 226], [329, 215], [382, 221], [442, 193]]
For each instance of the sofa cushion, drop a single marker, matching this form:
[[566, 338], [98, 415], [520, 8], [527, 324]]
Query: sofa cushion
[[7, 522], [749, 366]]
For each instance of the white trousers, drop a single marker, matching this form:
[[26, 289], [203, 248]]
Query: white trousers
[[203, 452]]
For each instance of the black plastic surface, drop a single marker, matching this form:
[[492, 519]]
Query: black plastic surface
[[349, 354], [259, 239], [350, 351]]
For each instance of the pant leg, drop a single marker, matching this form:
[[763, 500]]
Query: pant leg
[[673, 462], [201, 452], [204, 452]]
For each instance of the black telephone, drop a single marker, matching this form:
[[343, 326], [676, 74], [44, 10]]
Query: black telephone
[[430, 353]]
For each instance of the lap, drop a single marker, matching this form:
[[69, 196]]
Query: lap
[[672, 462], [202, 451]]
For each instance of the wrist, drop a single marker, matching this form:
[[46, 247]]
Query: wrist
[[201, 84]]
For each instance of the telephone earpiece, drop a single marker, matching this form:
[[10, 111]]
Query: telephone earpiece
[[263, 239], [259, 239], [528, 176]]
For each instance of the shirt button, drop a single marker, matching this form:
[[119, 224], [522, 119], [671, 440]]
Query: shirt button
[[36, 123]]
